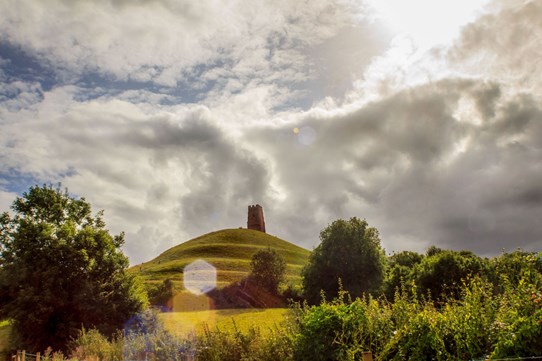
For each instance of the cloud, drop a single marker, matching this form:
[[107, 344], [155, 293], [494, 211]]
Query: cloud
[[174, 43], [18, 95], [162, 177], [174, 116], [416, 169], [504, 45]]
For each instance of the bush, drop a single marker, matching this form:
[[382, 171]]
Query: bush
[[518, 324], [342, 330], [220, 345], [92, 345], [147, 339]]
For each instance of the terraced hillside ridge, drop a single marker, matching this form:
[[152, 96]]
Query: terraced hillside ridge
[[229, 250]]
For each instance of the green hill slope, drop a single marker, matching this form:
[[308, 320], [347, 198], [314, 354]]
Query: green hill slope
[[229, 250]]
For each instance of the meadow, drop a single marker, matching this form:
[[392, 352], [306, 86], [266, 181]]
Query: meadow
[[184, 324]]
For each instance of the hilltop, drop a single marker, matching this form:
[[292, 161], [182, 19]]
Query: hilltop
[[229, 250]]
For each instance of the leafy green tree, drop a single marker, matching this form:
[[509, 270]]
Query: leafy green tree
[[433, 250], [507, 268], [349, 251], [62, 270], [268, 269], [442, 274], [400, 269]]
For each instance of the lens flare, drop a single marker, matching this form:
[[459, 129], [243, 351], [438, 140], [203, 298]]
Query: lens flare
[[306, 135], [199, 277]]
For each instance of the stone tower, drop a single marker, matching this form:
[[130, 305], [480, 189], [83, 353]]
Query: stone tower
[[255, 218]]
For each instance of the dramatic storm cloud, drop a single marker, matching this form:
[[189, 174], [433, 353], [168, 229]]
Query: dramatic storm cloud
[[173, 116]]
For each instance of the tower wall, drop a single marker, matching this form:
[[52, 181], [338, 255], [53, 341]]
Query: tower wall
[[255, 218]]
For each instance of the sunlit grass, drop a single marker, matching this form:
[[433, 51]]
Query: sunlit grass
[[229, 250], [186, 323], [5, 330]]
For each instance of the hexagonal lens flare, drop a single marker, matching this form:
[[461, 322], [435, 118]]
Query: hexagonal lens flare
[[199, 277]]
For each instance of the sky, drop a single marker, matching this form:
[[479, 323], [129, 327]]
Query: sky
[[423, 117]]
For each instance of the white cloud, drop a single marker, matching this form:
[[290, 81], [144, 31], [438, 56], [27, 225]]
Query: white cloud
[[18, 95], [432, 146], [397, 163], [162, 41], [505, 45]]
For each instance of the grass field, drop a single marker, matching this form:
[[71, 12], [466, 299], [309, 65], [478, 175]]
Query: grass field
[[229, 250], [186, 323], [5, 329]]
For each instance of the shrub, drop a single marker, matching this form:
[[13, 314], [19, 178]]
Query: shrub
[[92, 345], [458, 330], [147, 339], [518, 324], [342, 330], [218, 345]]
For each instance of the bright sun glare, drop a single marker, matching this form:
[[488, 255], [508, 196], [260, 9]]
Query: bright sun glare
[[427, 22]]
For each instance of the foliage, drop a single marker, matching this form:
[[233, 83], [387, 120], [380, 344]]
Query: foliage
[[267, 269], [62, 270], [162, 295], [147, 339], [218, 345], [341, 330], [349, 251], [518, 325], [443, 273], [474, 326], [458, 331], [91, 344], [508, 268], [433, 250], [400, 269], [479, 325]]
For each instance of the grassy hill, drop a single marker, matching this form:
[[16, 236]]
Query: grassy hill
[[229, 250]]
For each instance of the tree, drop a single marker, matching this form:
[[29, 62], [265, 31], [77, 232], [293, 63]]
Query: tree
[[349, 251], [509, 267], [162, 295], [442, 273], [62, 270], [400, 270], [268, 269]]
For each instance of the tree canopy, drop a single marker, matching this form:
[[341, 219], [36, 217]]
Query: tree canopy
[[267, 269], [401, 266], [350, 251], [61, 270]]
